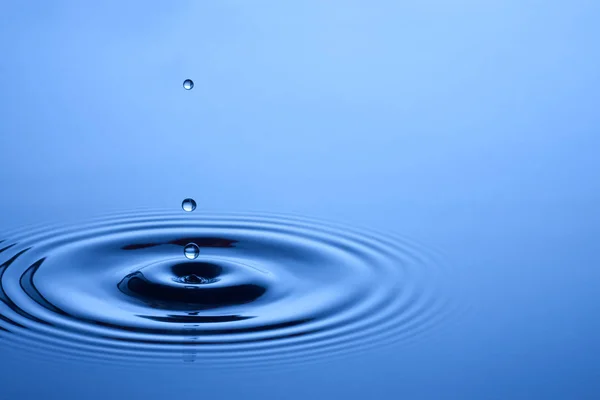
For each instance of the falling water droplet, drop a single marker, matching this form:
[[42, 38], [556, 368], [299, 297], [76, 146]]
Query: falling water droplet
[[188, 205], [188, 84], [191, 251]]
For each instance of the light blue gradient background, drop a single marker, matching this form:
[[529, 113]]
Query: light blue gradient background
[[470, 126]]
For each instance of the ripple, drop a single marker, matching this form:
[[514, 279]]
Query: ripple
[[263, 289]]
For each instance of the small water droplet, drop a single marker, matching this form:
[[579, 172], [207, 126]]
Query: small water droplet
[[188, 205], [191, 251], [188, 84]]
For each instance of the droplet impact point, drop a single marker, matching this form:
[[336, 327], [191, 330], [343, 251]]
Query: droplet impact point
[[191, 251], [188, 205], [188, 84]]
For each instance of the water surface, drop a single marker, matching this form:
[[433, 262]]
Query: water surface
[[394, 200]]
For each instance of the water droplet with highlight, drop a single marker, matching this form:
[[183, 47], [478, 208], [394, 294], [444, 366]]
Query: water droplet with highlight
[[188, 205], [191, 251], [188, 84]]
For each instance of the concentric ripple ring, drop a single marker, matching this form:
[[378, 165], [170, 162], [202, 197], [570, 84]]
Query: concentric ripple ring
[[265, 288]]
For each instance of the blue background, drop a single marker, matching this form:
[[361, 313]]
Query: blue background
[[471, 126]]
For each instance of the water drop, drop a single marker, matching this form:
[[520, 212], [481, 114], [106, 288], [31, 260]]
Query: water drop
[[188, 205], [191, 251], [188, 84]]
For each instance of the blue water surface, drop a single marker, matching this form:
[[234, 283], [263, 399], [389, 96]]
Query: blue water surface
[[395, 200]]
